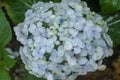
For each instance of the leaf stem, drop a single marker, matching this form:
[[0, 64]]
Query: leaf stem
[[110, 22], [111, 18], [115, 22]]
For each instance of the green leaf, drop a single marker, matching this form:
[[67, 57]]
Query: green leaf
[[16, 9], [5, 36], [5, 61], [2, 64], [114, 30], [5, 31], [8, 62], [2, 51], [109, 6], [4, 75]]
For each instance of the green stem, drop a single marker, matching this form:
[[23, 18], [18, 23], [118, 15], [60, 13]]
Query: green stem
[[113, 23], [110, 22], [111, 18]]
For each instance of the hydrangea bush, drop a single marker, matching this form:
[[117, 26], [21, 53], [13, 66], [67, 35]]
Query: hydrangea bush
[[63, 40]]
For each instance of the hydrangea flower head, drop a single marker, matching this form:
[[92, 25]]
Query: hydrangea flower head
[[63, 40]]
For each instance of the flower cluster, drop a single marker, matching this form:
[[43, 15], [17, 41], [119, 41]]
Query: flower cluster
[[63, 40]]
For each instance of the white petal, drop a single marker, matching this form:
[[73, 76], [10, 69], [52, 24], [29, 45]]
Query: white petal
[[49, 76], [70, 12], [102, 67], [77, 50], [68, 45], [78, 42], [83, 61], [71, 61], [60, 51], [42, 50], [72, 77], [99, 52], [32, 28], [73, 32]]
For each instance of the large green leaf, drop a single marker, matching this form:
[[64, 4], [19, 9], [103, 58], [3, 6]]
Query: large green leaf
[[5, 37], [114, 30], [109, 6], [5, 30], [4, 75], [16, 9]]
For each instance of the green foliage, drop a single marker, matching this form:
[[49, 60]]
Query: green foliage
[[9, 63], [5, 36], [5, 64], [114, 30], [5, 31], [16, 9], [109, 6], [4, 75]]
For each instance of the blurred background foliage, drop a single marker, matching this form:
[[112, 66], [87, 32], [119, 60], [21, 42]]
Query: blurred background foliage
[[12, 12]]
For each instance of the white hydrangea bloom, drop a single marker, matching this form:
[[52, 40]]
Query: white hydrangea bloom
[[63, 40]]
